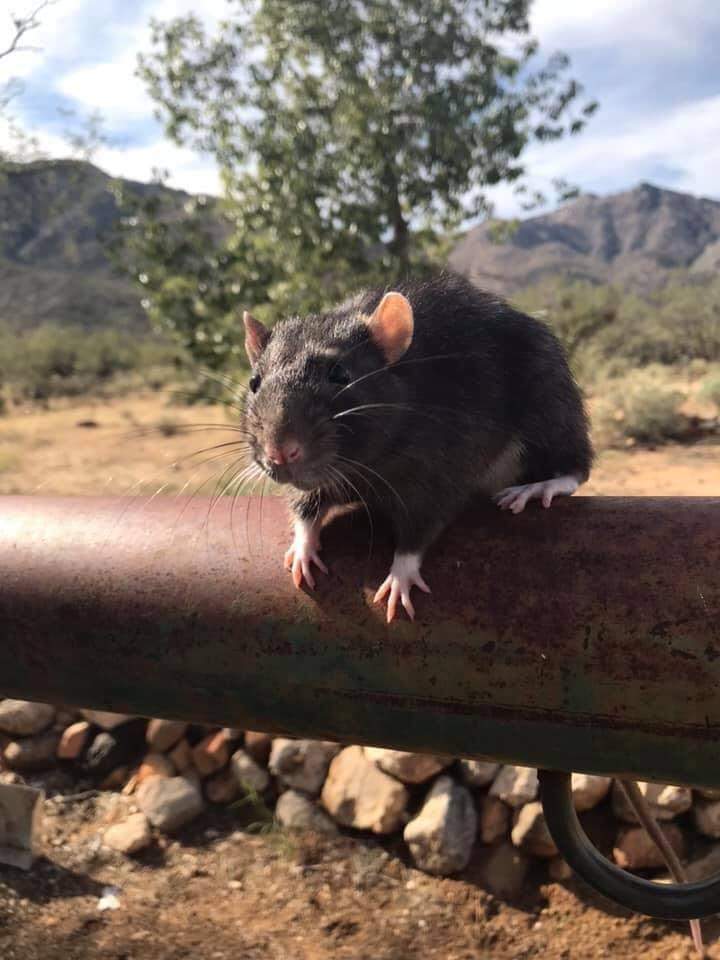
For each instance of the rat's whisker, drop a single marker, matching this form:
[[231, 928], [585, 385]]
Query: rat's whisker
[[221, 488], [401, 363], [362, 499], [364, 466]]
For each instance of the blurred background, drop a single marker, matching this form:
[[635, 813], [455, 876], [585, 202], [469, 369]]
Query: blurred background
[[165, 164]]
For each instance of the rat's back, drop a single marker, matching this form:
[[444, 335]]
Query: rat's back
[[496, 372]]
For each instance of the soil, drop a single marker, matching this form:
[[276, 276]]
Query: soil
[[220, 889], [141, 444]]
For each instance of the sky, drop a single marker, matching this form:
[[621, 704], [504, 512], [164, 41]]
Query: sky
[[654, 65]]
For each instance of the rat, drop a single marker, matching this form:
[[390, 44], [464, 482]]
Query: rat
[[409, 401]]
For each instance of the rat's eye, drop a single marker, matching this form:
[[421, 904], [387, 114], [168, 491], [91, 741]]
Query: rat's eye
[[254, 383], [339, 375]]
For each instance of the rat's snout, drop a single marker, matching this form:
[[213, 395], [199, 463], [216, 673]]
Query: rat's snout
[[287, 452]]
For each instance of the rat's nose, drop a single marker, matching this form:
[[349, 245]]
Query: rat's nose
[[280, 454]]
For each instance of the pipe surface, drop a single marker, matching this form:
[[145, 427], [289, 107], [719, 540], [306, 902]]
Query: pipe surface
[[585, 637]]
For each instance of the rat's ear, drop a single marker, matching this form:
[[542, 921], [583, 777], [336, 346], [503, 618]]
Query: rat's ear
[[391, 326], [256, 337]]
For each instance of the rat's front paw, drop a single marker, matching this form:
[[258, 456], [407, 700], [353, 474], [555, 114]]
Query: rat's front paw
[[515, 498], [404, 575], [300, 558]]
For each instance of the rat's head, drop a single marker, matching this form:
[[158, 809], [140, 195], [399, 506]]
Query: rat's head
[[324, 391]]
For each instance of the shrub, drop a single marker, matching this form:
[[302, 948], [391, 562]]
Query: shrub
[[710, 389], [651, 415]]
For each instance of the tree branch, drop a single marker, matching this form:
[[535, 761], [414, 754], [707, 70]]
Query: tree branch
[[22, 26]]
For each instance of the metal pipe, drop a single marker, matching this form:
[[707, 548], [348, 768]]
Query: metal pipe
[[585, 637]]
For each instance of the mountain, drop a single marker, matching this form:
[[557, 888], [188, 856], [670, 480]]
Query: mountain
[[633, 239], [55, 217]]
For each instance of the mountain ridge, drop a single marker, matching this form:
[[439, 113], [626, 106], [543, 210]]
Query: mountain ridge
[[635, 238], [56, 214]]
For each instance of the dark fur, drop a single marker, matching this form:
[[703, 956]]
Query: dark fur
[[477, 374]]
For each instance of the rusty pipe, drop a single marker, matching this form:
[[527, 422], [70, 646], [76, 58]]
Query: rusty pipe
[[585, 637]]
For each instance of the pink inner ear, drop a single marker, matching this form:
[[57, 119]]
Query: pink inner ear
[[256, 336], [391, 326]]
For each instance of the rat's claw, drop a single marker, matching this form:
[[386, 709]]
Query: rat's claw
[[299, 560], [404, 575], [516, 498]]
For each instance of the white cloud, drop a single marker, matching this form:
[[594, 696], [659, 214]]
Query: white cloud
[[685, 139], [188, 171], [112, 88], [629, 25]]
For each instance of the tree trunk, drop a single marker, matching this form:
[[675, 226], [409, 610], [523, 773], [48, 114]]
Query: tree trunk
[[400, 243]]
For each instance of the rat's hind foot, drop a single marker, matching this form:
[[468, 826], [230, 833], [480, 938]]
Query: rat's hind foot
[[515, 498], [404, 575], [304, 552]]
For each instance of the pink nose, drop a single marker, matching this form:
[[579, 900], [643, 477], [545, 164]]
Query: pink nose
[[288, 452]]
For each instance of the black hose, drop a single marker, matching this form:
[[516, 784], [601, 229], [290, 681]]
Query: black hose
[[666, 901]]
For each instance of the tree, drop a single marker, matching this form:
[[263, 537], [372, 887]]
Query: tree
[[349, 133]]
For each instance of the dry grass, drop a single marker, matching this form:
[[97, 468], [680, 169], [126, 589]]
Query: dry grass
[[132, 449], [129, 449]]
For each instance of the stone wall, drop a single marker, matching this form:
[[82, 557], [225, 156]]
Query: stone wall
[[443, 806]]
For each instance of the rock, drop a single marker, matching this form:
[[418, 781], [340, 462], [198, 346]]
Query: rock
[[258, 745], [115, 779], [708, 793], [706, 814], [32, 753], [494, 820], [130, 836], [665, 801], [9, 776], [295, 811], [106, 719], [531, 834], [170, 802], [73, 740], [516, 786], [114, 749], [441, 836], [211, 753], [249, 775], [162, 735], [358, 794], [503, 870], [634, 850], [22, 718], [705, 866], [408, 767], [302, 764], [154, 765], [181, 756], [588, 790], [222, 788], [478, 773], [559, 870]]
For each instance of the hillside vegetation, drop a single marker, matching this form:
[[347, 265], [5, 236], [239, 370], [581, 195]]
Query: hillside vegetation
[[646, 346]]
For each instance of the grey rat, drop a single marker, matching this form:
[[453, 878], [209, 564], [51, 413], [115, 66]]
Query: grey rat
[[411, 401]]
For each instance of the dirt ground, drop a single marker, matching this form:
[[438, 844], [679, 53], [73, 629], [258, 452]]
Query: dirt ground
[[220, 890], [141, 444]]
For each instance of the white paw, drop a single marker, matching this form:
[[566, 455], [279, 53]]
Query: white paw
[[304, 552], [515, 498], [404, 575]]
